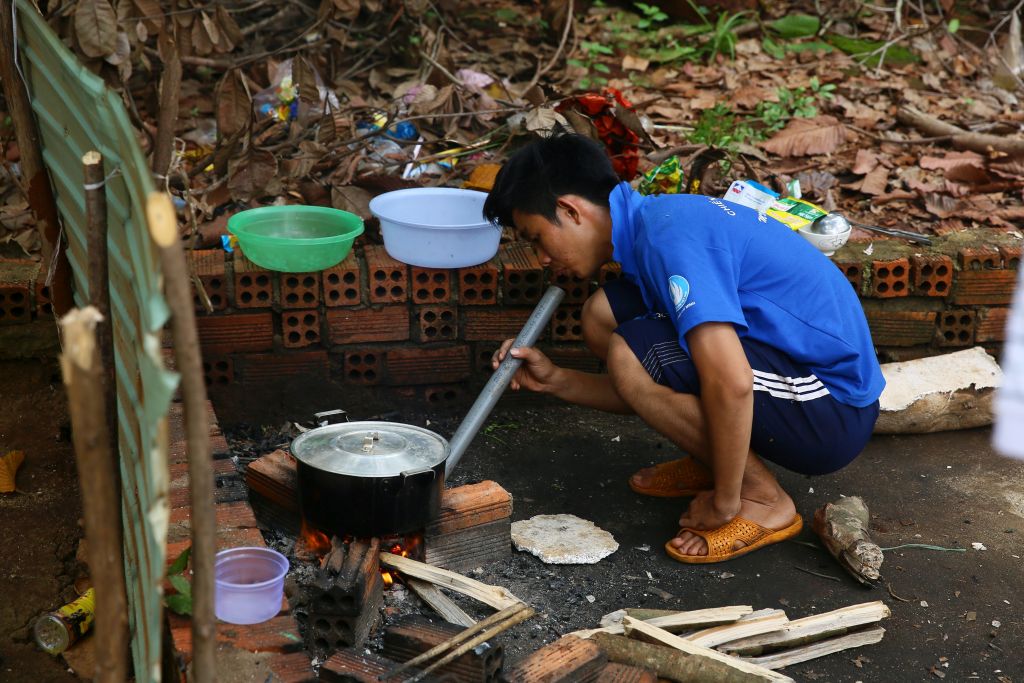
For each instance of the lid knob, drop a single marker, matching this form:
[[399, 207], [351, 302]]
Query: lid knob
[[369, 441]]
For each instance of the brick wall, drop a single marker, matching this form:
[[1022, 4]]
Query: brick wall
[[372, 323]]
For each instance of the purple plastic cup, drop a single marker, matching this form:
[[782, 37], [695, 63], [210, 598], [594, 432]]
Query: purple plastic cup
[[249, 584]]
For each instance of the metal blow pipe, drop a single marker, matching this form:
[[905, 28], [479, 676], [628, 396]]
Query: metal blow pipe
[[499, 381]]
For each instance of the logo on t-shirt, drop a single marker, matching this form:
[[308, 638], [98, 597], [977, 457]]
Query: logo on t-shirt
[[679, 289]]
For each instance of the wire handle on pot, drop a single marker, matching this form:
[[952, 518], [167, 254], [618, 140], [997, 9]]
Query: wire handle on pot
[[498, 382]]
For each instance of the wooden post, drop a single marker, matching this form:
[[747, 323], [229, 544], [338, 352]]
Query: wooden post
[[163, 228], [99, 292], [167, 119], [40, 193], [83, 376]]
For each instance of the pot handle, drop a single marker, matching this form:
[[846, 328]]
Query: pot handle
[[413, 474]]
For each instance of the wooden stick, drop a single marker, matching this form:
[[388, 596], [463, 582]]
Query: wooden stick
[[33, 170], [441, 603], [778, 660], [679, 621], [170, 87], [810, 629], [672, 664], [516, 618], [725, 668], [843, 527], [164, 230], [99, 293], [495, 596], [83, 376], [964, 139], [763, 621], [458, 638]]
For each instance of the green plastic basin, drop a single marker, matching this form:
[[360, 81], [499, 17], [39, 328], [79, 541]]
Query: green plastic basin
[[295, 239]]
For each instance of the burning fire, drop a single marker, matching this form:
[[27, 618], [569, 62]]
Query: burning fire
[[400, 545], [313, 543]]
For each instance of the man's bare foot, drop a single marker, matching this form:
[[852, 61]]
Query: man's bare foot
[[676, 478], [770, 511]]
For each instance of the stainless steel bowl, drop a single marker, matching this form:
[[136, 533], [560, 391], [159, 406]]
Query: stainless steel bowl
[[830, 224]]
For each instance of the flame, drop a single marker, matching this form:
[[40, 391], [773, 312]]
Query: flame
[[313, 540], [403, 546]]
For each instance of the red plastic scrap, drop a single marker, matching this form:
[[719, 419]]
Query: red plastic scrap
[[620, 141]]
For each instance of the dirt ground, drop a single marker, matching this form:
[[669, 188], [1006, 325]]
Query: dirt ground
[[39, 523]]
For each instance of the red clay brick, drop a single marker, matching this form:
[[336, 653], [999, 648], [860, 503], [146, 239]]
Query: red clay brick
[[482, 353], [300, 290], [478, 286], [388, 278], [430, 286], [300, 328], [991, 325], [576, 289], [17, 284], [342, 286], [443, 394], [428, 366], [901, 328], [854, 272], [980, 258], [254, 285], [208, 266], [362, 366], [44, 306], [956, 327], [988, 287], [437, 323], [523, 274], [493, 324], [890, 278], [238, 332], [566, 324], [359, 325], [218, 371], [265, 368], [1011, 257], [932, 274], [609, 271]]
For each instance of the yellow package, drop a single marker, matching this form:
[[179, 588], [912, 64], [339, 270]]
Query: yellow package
[[796, 213]]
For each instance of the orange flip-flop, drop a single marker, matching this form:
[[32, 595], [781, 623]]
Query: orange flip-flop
[[720, 541], [676, 479]]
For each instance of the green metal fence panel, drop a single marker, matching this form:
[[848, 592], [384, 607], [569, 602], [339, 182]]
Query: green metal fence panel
[[76, 113]]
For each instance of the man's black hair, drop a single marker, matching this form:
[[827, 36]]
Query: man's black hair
[[535, 176]]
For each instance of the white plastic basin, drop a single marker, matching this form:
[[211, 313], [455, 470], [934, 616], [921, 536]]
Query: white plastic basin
[[436, 227]]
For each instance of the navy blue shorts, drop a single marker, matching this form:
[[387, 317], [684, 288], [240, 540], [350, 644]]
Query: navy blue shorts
[[797, 422]]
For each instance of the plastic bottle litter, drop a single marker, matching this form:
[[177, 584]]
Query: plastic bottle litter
[[58, 630]]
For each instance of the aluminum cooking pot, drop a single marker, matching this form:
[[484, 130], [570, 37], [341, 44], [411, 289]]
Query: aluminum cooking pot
[[370, 478]]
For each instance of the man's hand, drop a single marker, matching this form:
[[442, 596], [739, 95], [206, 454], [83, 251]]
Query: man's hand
[[537, 373], [704, 514]]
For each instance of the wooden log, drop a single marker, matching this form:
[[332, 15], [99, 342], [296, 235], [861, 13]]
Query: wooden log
[[962, 139], [804, 653], [763, 621], [721, 667], [439, 602], [843, 528], [83, 376], [163, 228], [495, 596], [167, 117], [675, 665], [676, 621], [567, 660], [810, 629]]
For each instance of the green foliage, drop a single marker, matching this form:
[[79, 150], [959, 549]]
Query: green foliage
[[795, 26], [721, 127], [181, 601], [869, 52], [723, 35], [651, 15], [592, 53], [797, 103]]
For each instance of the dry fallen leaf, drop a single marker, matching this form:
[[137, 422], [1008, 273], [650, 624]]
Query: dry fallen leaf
[[875, 182], [866, 162], [807, 137], [631, 63]]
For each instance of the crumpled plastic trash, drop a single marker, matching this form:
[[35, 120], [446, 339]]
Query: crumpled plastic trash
[[281, 98], [665, 178]]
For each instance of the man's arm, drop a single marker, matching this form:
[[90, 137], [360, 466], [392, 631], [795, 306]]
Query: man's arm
[[727, 397]]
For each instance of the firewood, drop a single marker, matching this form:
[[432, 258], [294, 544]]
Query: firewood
[[962, 139], [762, 621], [810, 629], [843, 528], [685, 667], [677, 621], [495, 596], [820, 649], [439, 602]]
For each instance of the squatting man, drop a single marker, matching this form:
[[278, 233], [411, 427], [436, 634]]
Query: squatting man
[[728, 333]]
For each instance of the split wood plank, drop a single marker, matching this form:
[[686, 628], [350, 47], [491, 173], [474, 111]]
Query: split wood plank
[[715, 665], [810, 629], [804, 653], [439, 602], [762, 621], [675, 621], [496, 596]]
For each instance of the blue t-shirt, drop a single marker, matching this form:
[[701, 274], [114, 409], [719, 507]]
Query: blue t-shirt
[[698, 259]]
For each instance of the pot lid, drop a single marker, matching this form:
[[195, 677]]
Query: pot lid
[[370, 449]]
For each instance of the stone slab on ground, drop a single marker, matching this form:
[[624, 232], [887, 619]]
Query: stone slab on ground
[[563, 539]]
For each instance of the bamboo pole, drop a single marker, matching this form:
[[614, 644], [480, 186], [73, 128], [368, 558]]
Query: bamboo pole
[[83, 375], [39, 191], [163, 228]]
